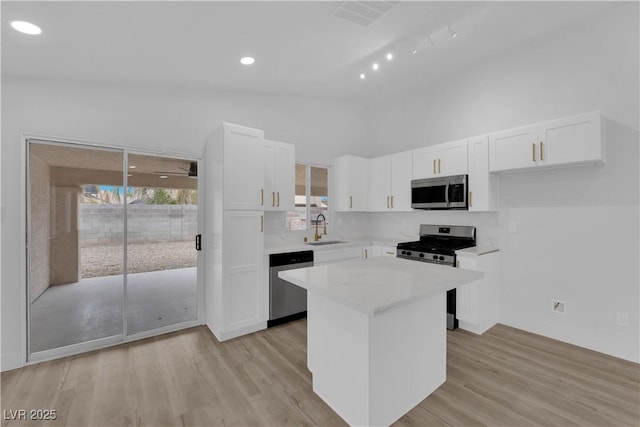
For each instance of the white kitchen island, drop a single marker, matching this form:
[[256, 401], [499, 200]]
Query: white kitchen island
[[376, 333]]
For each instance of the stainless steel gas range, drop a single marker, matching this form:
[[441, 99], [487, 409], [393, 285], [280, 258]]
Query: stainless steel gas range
[[438, 245]]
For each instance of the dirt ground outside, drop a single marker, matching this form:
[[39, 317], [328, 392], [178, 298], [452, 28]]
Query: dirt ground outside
[[98, 261]]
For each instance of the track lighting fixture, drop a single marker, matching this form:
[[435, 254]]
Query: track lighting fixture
[[453, 32]]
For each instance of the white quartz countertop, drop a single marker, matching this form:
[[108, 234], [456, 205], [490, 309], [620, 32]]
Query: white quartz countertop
[[477, 250], [376, 285], [288, 246]]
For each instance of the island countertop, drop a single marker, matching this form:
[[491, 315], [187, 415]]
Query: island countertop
[[375, 285]]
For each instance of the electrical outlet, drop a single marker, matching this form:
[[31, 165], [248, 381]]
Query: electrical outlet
[[558, 306], [622, 319]]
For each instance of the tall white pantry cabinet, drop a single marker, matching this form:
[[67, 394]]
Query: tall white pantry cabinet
[[234, 231]]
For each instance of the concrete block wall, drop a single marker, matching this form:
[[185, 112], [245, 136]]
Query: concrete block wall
[[103, 224]]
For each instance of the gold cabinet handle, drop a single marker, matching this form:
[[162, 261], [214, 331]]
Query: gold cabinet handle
[[391, 202], [262, 197], [541, 150], [350, 202], [533, 152], [262, 223], [273, 198], [278, 193], [387, 202], [439, 170], [470, 199], [434, 166]]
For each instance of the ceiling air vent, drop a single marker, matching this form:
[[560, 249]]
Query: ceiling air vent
[[363, 12]]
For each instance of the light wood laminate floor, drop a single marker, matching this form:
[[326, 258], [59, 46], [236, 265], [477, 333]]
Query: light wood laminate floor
[[505, 377]]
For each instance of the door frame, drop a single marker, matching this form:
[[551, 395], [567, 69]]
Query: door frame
[[29, 358]]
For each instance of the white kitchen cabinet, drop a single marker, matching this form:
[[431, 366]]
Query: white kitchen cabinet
[[477, 302], [390, 182], [233, 239], [440, 160], [242, 257], [562, 142], [243, 169], [279, 176], [383, 250], [330, 256], [483, 186], [351, 189]]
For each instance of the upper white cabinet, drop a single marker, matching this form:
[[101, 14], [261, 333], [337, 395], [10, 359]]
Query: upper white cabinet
[[243, 169], [440, 160], [351, 189], [279, 176], [566, 141], [483, 186], [390, 182]]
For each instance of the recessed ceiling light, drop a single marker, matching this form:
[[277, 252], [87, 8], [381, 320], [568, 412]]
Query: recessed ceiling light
[[132, 166], [163, 177], [389, 56], [363, 76], [375, 66], [26, 27], [414, 51], [247, 60], [129, 174]]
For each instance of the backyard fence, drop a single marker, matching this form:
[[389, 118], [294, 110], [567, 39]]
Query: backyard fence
[[103, 224]]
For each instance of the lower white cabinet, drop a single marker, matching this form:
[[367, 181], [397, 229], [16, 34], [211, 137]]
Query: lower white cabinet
[[477, 302], [383, 250], [234, 306], [330, 256]]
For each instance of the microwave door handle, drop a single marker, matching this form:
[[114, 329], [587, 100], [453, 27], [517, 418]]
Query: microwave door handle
[[446, 194]]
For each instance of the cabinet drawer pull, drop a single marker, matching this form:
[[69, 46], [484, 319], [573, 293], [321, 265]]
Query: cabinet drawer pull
[[541, 150], [366, 254], [387, 202], [350, 202], [391, 202], [278, 193], [533, 152], [470, 199], [262, 197], [439, 170], [273, 198], [262, 223], [434, 166]]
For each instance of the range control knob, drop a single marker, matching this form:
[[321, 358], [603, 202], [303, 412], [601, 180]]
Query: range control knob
[[441, 258], [421, 255], [404, 252], [408, 253], [435, 257]]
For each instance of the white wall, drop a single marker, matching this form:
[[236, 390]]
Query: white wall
[[577, 229], [176, 121]]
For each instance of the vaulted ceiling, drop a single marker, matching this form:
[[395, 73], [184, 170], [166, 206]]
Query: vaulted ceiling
[[303, 48]]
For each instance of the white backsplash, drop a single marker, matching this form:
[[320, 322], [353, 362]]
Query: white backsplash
[[396, 226]]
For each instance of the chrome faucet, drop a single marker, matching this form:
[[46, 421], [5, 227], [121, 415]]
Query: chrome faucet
[[324, 222]]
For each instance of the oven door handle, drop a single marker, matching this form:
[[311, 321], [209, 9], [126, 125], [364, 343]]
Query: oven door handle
[[446, 194]]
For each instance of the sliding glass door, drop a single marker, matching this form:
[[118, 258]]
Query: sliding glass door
[[110, 246], [161, 255]]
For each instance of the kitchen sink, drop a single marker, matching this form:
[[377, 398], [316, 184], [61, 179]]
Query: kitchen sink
[[326, 242]]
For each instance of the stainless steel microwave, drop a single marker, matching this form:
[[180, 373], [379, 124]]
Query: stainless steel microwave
[[448, 192]]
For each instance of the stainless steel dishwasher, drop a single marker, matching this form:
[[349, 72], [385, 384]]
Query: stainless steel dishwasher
[[287, 301]]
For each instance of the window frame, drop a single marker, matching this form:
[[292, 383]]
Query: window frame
[[308, 166]]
